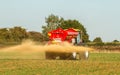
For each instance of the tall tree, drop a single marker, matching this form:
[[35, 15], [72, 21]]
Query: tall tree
[[77, 25], [52, 22]]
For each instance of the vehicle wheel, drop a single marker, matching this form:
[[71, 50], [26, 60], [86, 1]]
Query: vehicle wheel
[[49, 55], [83, 55], [86, 54]]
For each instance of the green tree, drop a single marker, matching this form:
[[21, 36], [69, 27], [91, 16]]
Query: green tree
[[18, 34], [35, 36], [98, 40], [5, 35], [77, 25], [52, 22], [115, 41]]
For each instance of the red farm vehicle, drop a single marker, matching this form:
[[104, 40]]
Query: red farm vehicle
[[59, 36]]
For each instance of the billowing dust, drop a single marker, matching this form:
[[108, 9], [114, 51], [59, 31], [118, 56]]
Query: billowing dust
[[29, 47]]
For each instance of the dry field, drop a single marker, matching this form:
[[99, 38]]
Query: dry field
[[27, 60], [97, 64]]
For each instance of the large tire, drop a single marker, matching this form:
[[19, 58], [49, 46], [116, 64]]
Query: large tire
[[57, 55], [86, 54], [49, 55], [82, 55], [67, 56]]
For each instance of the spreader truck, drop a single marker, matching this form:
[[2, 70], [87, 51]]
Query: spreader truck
[[72, 36]]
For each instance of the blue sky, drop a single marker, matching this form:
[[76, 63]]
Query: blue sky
[[101, 18]]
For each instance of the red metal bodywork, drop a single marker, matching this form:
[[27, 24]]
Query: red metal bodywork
[[63, 35]]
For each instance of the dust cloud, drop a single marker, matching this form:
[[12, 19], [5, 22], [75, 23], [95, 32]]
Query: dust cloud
[[30, 50], [30, 46]]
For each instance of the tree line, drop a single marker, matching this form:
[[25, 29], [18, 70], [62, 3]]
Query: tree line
[[17, 34]]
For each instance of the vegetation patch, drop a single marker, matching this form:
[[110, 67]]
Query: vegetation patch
[[97, 64]]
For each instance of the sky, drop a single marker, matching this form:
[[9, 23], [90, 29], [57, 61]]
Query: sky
[[101, 18]]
